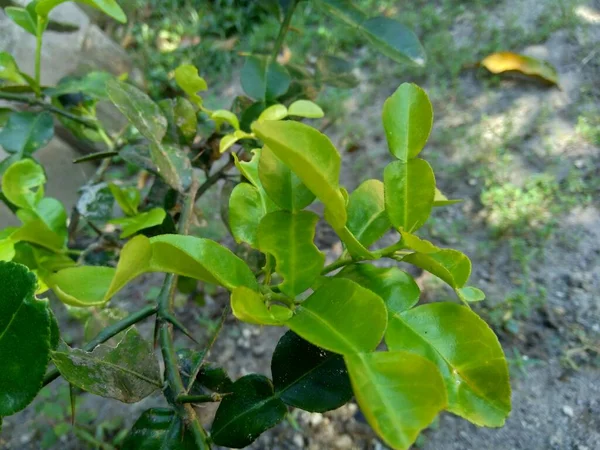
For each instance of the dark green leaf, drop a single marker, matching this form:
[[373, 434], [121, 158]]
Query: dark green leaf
[[264, 80], [466, 352], [173, 165], [138, 155], [25, 327], [26, 132], [250, 410], [128, 372], [343, 10], [95, 202], [159, 429], [367, 217], [394, 40], [92, 84], [308, 377]]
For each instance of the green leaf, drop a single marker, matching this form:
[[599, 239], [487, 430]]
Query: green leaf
[[25, 132], [441, 200], [305, 108], [52, 213], [82, 286], [23, 18], [274, 112], [409, 193], [336, 72], [398, 289], [399, 393], [135, 259], [128, 372], [37, 232], [449, 265], [109, 7], [186, 119], [308, 377], [470, 294], [187, 78], [289, 238], [394, 40], [312, 157], [8, 67], [342, 317], [100, 320], [282, 185], [23, 183], [466, 352], [139, 109], [367, 217], [173, 165], [407, 119], [222, 115], [96, 202], [128, 198], [159, 429], [246, 209], [229, 139], [92, 84], [249, 306], [343, 10], [148, 219], [244, 415], [417, 244], [264, 80], [24, 338]]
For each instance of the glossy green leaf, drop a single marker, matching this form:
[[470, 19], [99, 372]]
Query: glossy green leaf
[[399, 393], [244, 415], [441, 200], [128, 198], [394, 40], [23, 183], [308, 377], [249, 306], [187, 78], [109, 7], [417, 244], [139, 109], [246, 210], [449, 265], [320, 321], [222, 115], [466, 352], [135, 259], [82, 286], [407, 119], [282, 185], [131, 225], [289, 238], [367, 217], [470, 294], [228, 140], [23, 18], [398, 289], [274, 112], [52, 212], [37, 232], [9, 70], [25, 132], [159, 429], [128, 372], [305, 108], [409, 193], [249, 169], [312, 157], [24, 338], [264, 80], [173, 165]]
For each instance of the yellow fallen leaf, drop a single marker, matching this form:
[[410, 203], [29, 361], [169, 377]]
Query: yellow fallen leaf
[[508, 61]]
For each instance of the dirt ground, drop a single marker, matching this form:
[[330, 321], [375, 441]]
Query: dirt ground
[[521, 157]]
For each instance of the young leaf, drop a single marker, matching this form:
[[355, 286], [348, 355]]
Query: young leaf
[[25, 132], [128, 372], [8, 67], [229, 139], [398, 289], [367, 217], [507, 61], [187, 78], [246, 210], [281, 184], [409, 193], [341, 316], [470, 294], [417, 244], [23, 17], [159, 429], [407, 119], [441, 200], [128, 198], [263, 79], [37, 232], [399, 393], [249, 306], [222, 115], [244, 415], [394, 40], [139, 109], [466, 352], [82, 286], [23, 184], [131, 225], [305, 108], [24, 338], [109, 7], [312, 157], [307, 377], [289, 238], [449, 265], [273, 112]]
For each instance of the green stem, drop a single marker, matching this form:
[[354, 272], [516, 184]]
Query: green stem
[[386, 252], [109, 332], [285, 26], [41, 24], [199, 398]]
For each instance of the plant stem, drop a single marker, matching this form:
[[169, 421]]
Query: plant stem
[[386, 252], [199, 398], [32, 101], [210, 181], [285, 26], [109, 332], [38, 54]]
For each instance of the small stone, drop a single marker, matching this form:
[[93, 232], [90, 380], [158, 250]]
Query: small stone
[[258, 350], [560, 294], [472, 181], [246, 332], [568, 411], [344, 442], [316, 419], [596, 328], [579, 163], [298, 440]]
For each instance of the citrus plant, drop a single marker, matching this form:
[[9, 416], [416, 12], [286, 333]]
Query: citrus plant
[[356, 329]]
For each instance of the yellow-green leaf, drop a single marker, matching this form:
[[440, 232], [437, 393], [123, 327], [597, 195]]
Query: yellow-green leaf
[[305, 108], [82, 286], [222, 115], [131, 225], [128, 198], [108, 7], [448, 264], [509, 62], [23, 183], [273, 112], [186, 76], [8, 68], [367, 218], [249, 306]]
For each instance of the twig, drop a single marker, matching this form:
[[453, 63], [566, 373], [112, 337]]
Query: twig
[[285, 26], [214, 178], [207, 398]]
